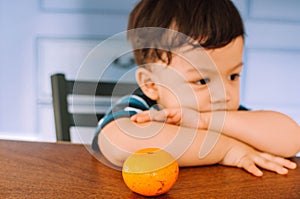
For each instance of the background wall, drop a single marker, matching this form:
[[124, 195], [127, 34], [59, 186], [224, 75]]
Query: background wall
[[41, 37]]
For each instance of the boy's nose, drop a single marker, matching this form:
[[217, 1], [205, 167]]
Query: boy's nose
[[220, 100], [220, 95]]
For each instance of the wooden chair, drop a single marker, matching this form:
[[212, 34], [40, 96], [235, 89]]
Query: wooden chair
[[62, 88]]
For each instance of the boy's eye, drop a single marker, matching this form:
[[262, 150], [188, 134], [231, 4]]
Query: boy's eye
[[203, 81], [234, 77]]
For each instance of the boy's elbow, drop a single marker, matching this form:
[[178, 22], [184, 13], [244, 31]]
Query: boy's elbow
[[293, 149], [294, 146], [291, 153], [111, 152]]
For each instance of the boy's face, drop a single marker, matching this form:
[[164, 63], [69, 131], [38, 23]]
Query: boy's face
[[204, 80]]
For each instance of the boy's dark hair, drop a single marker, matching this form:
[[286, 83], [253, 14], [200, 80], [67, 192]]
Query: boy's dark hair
[[212, 23]]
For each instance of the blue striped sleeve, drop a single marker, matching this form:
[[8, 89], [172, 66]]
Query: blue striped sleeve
[[124, 108]]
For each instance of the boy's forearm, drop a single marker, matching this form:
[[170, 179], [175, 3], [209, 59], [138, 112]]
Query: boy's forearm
[[265, 130], [119, 139]]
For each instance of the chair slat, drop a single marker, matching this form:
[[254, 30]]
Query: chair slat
[[101, 88], [62, 88]]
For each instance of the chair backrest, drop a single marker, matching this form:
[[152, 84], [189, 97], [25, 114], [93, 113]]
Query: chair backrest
[[62, 88]]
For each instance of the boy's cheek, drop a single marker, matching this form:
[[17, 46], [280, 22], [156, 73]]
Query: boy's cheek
[[185, 96]]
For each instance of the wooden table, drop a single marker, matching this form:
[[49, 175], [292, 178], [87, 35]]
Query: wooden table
[[61, 170]]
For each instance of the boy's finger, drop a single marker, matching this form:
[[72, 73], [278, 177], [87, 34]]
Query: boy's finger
[[271, 165], [249, 166], [133, 118], [282, 161], [159, 116], [141, 117]]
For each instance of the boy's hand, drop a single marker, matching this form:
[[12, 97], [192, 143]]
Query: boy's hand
[[184, 116], [246, 157]]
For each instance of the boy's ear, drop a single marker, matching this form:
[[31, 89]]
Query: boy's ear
[[147, 84]]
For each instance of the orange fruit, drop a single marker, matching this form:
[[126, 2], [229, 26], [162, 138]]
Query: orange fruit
[[150, 172]]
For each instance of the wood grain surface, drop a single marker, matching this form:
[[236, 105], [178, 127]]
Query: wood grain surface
[[62, 170]]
